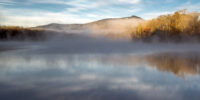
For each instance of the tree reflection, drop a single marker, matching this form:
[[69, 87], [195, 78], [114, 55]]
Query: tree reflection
[[181, 64]]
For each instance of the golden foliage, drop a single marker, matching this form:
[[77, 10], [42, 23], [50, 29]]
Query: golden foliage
[[181, 64], [179, 23]]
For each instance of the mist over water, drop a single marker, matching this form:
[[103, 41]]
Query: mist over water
[[86, 44], [82, 67], [127, 58], [99, 76]]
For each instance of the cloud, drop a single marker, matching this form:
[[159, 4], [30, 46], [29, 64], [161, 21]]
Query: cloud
[[133, 10], [7, 2], [47, 1], [80, 5], [11, 17], [151, 15], [4, 3], [42, 19], [39, 12], [129, 1], [189, 6], [81, 11]]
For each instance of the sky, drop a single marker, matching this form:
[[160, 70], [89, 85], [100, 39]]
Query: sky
[[29, 13]]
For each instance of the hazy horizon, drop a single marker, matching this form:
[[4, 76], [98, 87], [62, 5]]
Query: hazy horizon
[[33, 13]]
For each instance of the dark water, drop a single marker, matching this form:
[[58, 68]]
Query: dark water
[[160, 76]]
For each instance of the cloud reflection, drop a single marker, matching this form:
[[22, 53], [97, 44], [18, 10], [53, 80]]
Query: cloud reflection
[[89, 77]]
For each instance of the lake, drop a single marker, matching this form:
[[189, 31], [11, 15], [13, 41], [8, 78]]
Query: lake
[[98, 76], [168, 75]]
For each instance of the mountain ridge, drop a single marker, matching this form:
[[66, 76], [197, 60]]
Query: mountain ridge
[[133, 16], [114, 27]]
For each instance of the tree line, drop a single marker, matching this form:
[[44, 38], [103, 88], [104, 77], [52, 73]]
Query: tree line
[[172, 26]]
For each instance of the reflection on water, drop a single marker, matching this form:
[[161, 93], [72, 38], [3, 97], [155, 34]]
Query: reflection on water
[[100, 77], [180, 64]]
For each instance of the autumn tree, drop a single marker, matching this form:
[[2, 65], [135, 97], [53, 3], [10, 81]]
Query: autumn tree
[[178, 24]]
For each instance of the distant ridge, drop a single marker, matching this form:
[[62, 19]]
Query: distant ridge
[[133, 16], [109, 27], [51, 24]]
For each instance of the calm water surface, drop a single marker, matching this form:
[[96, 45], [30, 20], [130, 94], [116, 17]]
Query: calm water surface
[[160, 76]]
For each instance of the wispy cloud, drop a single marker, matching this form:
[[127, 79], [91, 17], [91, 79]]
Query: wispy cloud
[[7, 2], [129, 1], [35, 12], [81, 11], [189, 6], [47, 1], [151, 15], [9, 17]]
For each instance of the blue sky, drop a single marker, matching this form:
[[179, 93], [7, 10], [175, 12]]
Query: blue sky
[[40, 12]]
